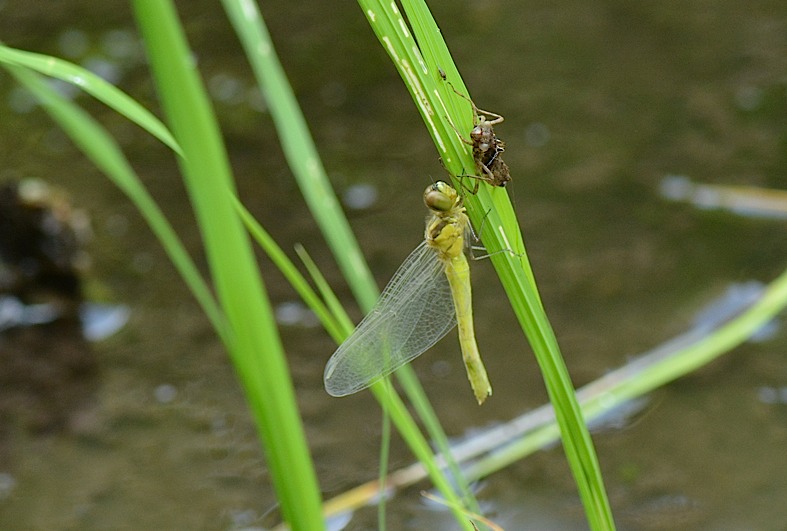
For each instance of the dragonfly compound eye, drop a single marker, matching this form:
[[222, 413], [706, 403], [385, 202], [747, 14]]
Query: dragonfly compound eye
[[440, 197]]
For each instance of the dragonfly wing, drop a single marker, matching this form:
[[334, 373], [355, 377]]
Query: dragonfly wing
[[413, 313]]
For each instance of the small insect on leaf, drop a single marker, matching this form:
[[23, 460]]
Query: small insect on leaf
[[487, 147]]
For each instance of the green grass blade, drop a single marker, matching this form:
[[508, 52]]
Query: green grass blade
[[409, 431], [331, 301], [437, 435], [299, 148], [93, 85], [337, 327], [255, 347], [303, 159], [418, 66], [104, 152], [385, 459]]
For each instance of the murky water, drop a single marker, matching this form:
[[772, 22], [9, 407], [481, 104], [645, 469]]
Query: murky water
[[601, 102]]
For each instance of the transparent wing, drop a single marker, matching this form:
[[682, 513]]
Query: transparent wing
[[413, 313]]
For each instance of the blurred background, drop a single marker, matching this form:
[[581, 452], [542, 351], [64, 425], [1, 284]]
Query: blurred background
[[602, 101]]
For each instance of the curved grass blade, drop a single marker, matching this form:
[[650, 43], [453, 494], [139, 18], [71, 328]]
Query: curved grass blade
[[93, 85], [102, 149]]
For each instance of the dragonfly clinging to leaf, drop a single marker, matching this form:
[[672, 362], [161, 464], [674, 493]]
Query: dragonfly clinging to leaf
[[427, 296]]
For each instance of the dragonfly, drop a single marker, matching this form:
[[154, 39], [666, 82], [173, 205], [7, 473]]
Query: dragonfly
[[426, 298]]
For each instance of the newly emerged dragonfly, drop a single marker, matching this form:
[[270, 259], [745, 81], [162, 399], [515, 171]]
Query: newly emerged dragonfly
[[428, 295]]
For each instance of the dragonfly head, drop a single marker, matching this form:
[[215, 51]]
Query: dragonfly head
[[441, 197]]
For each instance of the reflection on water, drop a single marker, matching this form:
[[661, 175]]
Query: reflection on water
[[742, 200], [360, 196], [295, 313], [601, 101]]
